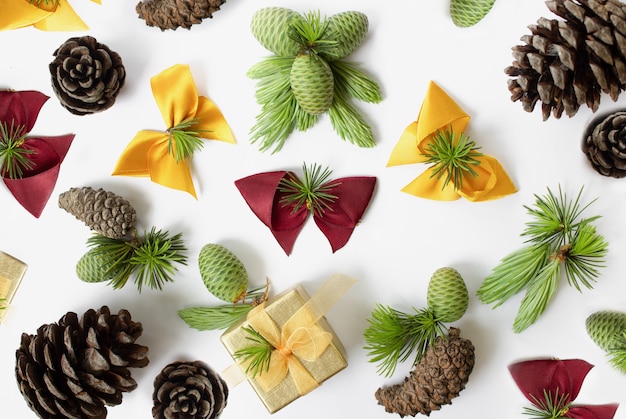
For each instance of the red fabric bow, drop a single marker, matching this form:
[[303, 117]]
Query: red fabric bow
[[33, 189], [555, 378], [262, 194]]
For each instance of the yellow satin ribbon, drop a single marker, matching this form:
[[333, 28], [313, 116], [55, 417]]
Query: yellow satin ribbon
[[177, 98], [440, 112], [300, 338], [54, 15]]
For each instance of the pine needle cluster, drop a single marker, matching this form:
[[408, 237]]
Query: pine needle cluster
[[550, 407], [184, 140], [561, 242], [311, 191], [14, 157]]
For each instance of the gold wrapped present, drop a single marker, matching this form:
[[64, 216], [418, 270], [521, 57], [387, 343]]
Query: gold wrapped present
[[305, 350], [12, 271]]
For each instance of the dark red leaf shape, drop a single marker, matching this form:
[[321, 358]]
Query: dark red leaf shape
[[21, 108], [604, 411]]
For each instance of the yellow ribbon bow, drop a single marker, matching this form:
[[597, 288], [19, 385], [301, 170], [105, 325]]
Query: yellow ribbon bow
[[440, 112], [299, 338], [153, 153], [46, 15]]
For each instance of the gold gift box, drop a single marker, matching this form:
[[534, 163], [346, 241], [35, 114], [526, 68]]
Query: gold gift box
[[280, 309], [12, 271]]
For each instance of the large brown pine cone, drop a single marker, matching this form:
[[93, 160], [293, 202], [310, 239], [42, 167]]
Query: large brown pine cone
[[172, 14], [189, 390], [104, 212], [86, 75], [439, 376], [568, 63], [605, 144], [75, 368]]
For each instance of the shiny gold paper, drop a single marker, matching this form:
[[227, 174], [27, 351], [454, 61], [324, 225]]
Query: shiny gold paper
[[280, 309], [12, 271]]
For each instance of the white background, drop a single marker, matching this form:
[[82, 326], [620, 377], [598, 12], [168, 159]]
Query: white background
[[399, 243]]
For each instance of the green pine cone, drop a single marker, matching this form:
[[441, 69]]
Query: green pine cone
[[447, 295], [348, 29], [223, 273], [466, 13], [96, 268], [604, 326], [271, 26], [312, 83]]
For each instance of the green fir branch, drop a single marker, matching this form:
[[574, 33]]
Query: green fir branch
[[309, 32], [452, 156], [392, 336], [351, 81], [348, 122], [586, 255], [214, 318], [312, 190], [617, 353], [14, 158], [538, 294], [269, 66], [183, 140], [550, 407], [256, 356], [275, 122]]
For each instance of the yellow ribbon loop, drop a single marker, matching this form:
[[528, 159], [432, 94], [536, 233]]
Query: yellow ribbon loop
[[440, 112], [299, 338], [148, 153], [47, 16]]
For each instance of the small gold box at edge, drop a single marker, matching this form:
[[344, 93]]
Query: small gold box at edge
[[12, 271]]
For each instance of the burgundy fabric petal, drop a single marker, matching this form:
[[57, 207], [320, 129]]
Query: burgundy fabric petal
[[33, 190], [353, 196], [260, 191], [533, 377], [604, 411], [21, 108]]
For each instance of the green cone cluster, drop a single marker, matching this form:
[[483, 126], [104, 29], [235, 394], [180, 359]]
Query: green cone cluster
[[608, 330], [306, 76], [466, 13]]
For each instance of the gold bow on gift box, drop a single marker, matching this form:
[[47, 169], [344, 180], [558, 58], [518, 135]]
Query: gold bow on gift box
[[159, 154], [485, 180], [46, 15]]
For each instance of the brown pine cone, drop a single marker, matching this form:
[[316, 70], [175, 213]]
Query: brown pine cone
[[605, 144], [189, 390], [172, 14], [74, 368], [86, 75]]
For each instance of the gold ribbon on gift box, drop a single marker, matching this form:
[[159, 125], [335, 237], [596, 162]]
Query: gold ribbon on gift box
[[12, 271], [46, 15]]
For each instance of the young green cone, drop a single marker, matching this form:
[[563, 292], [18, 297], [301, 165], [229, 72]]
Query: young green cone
[[604, 327], [271, 26], [312, 83], [447, 295], [94, 267], [223, 274], [466, 13], [348, 30]]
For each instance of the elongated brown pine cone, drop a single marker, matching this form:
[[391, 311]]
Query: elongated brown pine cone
[[189, 390], [439, 376], [86, 75], [172, 14], [567, 63], [605, 144], [76, 367], [104, 212]]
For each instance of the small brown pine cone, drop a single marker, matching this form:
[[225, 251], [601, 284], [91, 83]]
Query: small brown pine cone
[[172, 14], [86, 75], [76, 367], [439, 376], [189, 390], [104, 212], [605, 144]]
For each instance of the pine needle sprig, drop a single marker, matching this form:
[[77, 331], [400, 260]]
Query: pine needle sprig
[[184, 140], [617, 353], [351, 81], [540, 292], [348, 123], [551, 407], [392, 336], [257, 356], [584, 258], [155, 258], [312, 190], [275, 122], [214, 318], [119, 252], [309, 32], [452, 156], [14, 158]]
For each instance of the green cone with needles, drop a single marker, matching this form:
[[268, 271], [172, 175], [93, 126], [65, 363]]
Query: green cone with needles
[[271, 26], [223, 274], [312, 83], [608, 330], [392, 336], [92, 267], [466, 13], [347, 29]]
